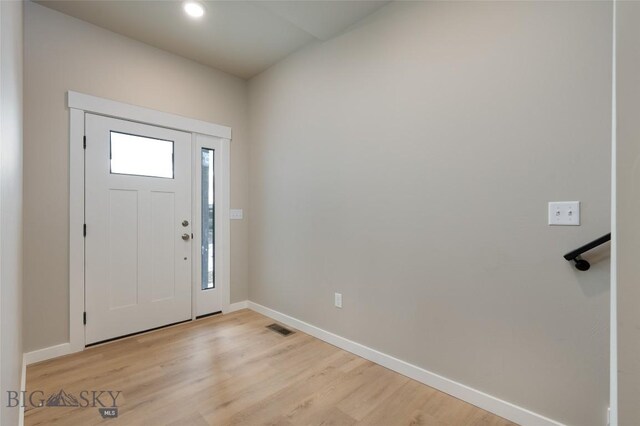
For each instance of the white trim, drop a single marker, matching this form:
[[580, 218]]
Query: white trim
[[23, 387], [613, 332], [232, 307], [195, 249], [76, 221], [48, 353], [225, 232], [480, 399], [110, 108]]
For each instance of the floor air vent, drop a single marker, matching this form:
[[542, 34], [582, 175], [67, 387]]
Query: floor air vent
[[280, 329]]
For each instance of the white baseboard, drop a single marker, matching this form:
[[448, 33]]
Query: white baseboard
[[47, 353], [237, 306], [480, 399]]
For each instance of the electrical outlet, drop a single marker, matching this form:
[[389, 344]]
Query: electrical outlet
[[236, 214], [338, 300]]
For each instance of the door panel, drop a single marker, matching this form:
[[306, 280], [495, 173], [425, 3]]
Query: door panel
[[122, 249], [138, 193]]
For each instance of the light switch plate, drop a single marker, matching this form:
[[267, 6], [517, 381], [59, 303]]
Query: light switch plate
[[235, 214], [564, 213]]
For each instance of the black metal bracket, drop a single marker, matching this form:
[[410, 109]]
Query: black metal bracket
[[581, 264]]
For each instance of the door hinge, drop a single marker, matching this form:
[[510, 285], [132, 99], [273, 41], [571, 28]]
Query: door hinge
[[84, 142], [84, 318], [84, 230]]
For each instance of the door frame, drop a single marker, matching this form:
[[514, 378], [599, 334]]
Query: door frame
[[79, 104]]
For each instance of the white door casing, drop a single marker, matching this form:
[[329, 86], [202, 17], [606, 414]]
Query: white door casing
[[138, 265]]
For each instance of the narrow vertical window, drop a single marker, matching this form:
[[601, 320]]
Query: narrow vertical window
[[207, 215]]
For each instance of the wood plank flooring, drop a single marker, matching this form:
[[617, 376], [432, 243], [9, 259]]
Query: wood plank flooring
[[231, 370]]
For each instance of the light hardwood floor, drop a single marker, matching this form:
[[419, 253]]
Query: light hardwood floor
[[231, 370]]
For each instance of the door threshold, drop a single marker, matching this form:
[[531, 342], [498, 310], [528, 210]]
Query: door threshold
[[136, 333], [208, 315]]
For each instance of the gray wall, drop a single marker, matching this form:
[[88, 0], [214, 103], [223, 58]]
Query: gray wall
[[408, 164], [61, 54], [11, 205], [628, 211]]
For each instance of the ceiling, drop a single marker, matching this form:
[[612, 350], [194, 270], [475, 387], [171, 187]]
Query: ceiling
[[242, 38]]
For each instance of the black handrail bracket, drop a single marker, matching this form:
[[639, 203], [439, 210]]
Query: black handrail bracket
[[581, 264]]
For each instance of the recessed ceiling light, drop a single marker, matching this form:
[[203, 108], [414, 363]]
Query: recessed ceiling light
[[193, 9]]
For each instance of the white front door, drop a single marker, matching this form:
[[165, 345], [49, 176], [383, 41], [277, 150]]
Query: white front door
[[138, 227]]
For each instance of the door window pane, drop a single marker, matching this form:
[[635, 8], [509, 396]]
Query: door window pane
[[207, 215], [141, 156]]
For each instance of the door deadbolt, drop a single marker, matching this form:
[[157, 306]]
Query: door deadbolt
[[185, 237], [185, 223]]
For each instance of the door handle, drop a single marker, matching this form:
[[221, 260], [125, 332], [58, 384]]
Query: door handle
[[185, 237]]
